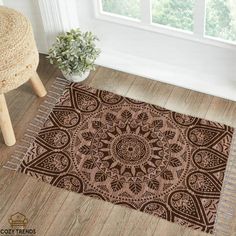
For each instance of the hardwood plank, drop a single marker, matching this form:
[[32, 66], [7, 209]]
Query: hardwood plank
[[110, 80], [189, 102], [11, 183], [124, 221], [223, 111], [150, 91], [39, 202], [77, 214]]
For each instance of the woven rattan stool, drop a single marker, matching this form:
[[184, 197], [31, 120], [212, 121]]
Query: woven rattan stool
[[18, 63]]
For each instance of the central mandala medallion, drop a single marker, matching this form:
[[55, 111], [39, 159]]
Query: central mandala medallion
[[130, 154], [130, 149]]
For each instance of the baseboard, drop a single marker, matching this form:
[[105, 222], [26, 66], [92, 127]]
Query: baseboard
[[211, 84]]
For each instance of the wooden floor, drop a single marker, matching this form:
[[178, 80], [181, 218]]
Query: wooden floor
[[57, 212]]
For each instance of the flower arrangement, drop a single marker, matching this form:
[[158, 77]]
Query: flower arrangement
[[74, 52]]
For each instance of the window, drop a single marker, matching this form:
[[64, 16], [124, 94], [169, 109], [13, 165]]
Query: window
[[221, 19], [126, 8], [177, 14], [205, 20]]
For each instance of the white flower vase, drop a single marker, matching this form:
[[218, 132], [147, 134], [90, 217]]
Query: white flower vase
[[76, 77]]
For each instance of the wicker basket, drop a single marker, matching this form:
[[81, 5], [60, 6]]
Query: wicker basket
[[18, 53]]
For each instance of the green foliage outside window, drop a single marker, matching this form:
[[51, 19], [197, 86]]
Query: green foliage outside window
[[221, 19], [174, 13], [129, 8]]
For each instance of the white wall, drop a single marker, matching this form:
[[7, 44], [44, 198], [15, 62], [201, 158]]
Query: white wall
[[31, 10]]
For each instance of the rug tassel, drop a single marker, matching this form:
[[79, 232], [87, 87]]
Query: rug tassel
[[227, 205], [44, 110]]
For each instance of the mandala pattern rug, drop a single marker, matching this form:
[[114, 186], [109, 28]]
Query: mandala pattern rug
[[129, 153]]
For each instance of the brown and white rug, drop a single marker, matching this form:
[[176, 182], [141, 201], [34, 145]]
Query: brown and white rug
[[133, 154]]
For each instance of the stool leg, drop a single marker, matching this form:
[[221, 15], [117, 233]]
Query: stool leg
[[38, 86], [5, 123]]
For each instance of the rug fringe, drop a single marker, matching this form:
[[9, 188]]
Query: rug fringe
[[36, 124], [226, 213]]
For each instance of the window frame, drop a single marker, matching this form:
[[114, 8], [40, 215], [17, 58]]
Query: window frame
[[145, 23]]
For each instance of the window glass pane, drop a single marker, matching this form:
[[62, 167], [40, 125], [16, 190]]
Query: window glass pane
[[173, 13], [128, 8], [221, 19]]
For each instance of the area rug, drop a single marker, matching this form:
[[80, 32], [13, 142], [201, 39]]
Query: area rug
[[133, 154]]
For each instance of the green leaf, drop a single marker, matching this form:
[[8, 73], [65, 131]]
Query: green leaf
[[74, 51]]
